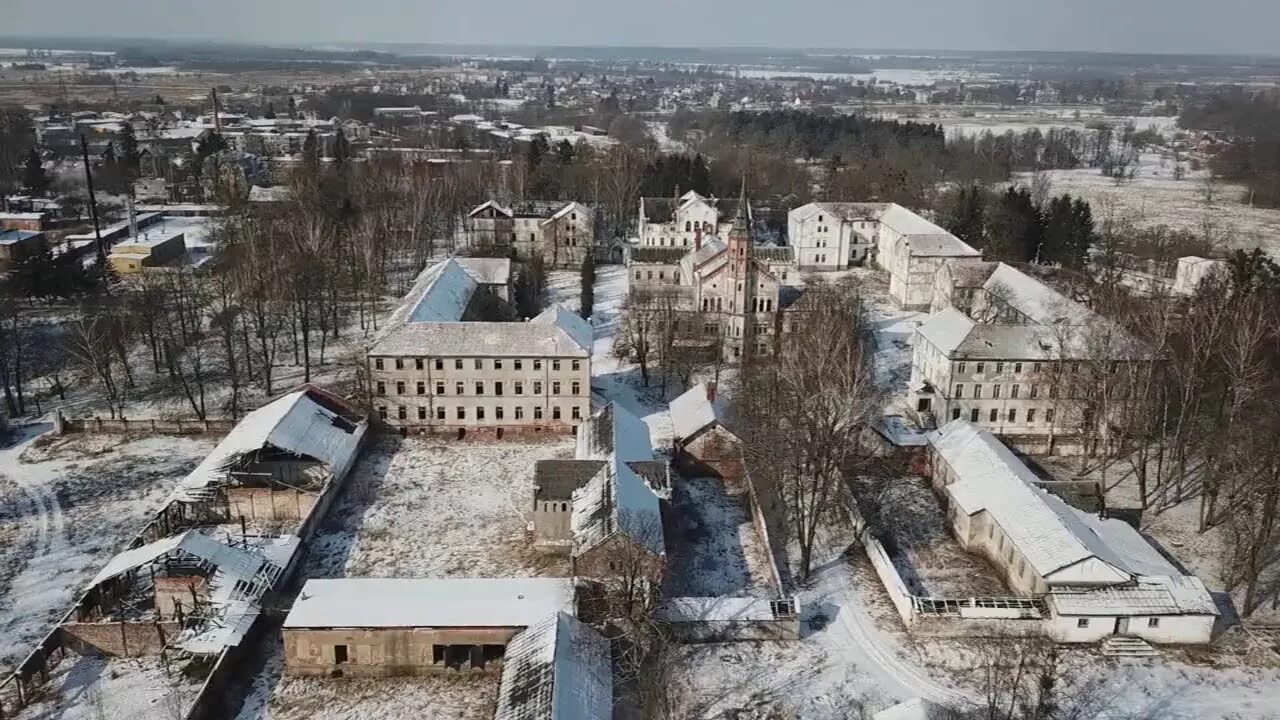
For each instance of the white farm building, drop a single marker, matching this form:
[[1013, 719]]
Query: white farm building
[[1098, 577]]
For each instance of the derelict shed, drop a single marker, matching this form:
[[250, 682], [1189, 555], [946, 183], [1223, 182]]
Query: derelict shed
[[558, 669], [276, 463], [410, 626], [190, 592]]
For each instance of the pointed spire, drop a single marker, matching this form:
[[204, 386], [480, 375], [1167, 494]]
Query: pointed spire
[[741, 219]]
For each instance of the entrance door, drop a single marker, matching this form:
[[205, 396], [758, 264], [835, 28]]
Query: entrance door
[[339, 654], [1122, 626]]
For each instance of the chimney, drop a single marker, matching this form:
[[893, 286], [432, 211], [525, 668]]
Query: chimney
[[711, 392], [697, 237]]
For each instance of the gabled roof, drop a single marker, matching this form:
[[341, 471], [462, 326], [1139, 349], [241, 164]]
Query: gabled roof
[[487, 271], [557, 479], [989, 477], [429, 602], [557, 669], [488, 204], [1036, 300], [617, 499], [693, 412], [568, 322], [442, 293], [305, 423]]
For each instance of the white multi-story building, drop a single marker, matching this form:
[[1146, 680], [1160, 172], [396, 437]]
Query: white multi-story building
[[562, 233], [439, 366], [675, 222], [1004, 351], [832, 235], [912, 250]]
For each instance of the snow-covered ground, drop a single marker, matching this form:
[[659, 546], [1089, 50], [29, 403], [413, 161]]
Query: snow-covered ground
[[713, 548], [422, 507], [1154, 197], [65, 508], [98, 688]]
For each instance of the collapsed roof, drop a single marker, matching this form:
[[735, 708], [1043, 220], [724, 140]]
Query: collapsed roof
[[557, 669], [617, 499]]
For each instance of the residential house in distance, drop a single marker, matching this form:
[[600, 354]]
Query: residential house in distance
[[832, 235], [561, 233], [675, 222], [29, 221], [17, 245], [379, 627], [1097, 577], [448, 361], [1001, 349], [149, 250]]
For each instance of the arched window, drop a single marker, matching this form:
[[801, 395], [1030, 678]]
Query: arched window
[[688, 226]]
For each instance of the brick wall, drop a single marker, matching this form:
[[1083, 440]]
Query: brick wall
[[130, 639]]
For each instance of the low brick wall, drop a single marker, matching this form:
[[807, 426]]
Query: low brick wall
[[128, 639], [67, 426]]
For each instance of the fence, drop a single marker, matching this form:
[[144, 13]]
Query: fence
[[940, 616], [155, 426], [761, 524]]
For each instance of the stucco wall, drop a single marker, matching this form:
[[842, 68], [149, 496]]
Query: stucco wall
[[382, 652]]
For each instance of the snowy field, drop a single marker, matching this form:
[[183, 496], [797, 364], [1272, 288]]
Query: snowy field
[[420, 507], [66, 506], [96, 688], [713, 549], [1154, 197]]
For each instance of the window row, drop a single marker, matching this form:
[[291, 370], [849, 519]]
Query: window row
[[500, 412], [460, 388], [997, 390], [1072, 367], [1010, 415], [476, 363]]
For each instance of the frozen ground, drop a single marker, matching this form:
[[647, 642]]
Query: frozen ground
[[1154, 197], [418, 507], [919, 540], [713, 548], [65, 508], [95, 688], [894, 328]]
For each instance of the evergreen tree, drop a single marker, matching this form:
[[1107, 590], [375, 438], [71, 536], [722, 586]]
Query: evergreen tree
[[311, 151], [588, 300], [967, 217], [33, 177], [1015, 230], [270, 114], [293, 108], [130, 157], [341, 148]]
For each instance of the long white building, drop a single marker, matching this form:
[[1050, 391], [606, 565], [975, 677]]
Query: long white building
[[1097, 576]]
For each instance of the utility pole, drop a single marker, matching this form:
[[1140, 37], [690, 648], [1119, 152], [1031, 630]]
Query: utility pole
[[93, 201]]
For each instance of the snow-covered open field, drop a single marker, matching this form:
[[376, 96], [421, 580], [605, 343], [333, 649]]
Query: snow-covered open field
[[1154, 197], [67, 504], [421, 507]]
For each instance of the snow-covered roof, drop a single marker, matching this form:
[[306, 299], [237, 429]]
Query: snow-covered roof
[[1053, 536], [617, 499], [989, 477], [487, 271], [1033, 298], [276, 193], [913, 709], [1163, 595], [906, 222], [569, 322], [297, 423], [502, 209], [430, 322], [693, 411], [715, 609], [446, 288], [557, 669], [429, 602], [844, 210], [957, 336], [221, 630], [946, 330]]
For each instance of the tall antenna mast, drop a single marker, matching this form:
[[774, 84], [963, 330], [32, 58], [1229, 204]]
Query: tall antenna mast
[[93, 201], [217, 114]]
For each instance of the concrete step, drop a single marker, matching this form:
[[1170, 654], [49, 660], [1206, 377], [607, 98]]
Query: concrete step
[[1127, 646]]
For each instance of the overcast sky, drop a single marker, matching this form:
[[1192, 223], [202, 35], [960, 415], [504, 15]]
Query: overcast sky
[[1208, 26]]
